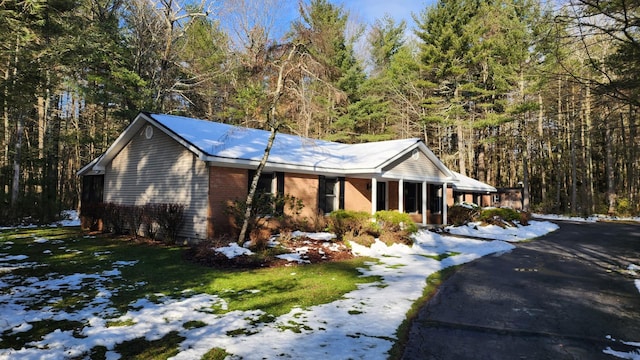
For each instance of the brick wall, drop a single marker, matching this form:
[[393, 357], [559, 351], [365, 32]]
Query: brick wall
[[225, 185], [356, 195], [305, 188]]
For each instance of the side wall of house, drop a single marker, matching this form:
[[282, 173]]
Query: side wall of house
[[159, 170], [225, 186]]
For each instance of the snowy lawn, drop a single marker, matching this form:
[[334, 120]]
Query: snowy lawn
[[64, 296]]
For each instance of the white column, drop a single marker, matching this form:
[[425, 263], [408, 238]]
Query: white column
[[424, 203], [374, 195], [444, 204], [400, 195]]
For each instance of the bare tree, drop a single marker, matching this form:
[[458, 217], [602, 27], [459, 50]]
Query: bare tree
[[285, 66]]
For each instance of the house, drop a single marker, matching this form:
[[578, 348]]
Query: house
[[205, 165]]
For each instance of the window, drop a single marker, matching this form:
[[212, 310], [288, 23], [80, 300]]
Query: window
[[435, 198], [265, 184], [269, 183], [330, 194], [412, 197]]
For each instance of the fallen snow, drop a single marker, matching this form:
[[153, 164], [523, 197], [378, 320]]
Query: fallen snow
[[232, 250], [511, 234], [631, 355], [592, 218], [361, 325]]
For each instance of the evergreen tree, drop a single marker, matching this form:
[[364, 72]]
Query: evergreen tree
[[322, 30]]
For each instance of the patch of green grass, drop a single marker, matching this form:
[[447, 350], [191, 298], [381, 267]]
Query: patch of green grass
[[277, 290], [238, 332], [194, 324], [146, 270], [215, 354], [144, 349], [116, 323], [433, 283], [295, 327]]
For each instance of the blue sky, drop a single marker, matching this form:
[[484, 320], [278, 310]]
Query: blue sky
[[367, 11]]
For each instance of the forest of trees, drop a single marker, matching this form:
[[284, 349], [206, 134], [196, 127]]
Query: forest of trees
[[530, 93]]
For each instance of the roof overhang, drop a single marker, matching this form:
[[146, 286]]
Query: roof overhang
[[467, 184]]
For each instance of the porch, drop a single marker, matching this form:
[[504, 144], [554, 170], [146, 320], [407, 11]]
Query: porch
[[425, 202]]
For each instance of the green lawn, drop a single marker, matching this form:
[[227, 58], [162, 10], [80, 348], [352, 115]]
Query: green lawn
[[147, 271]]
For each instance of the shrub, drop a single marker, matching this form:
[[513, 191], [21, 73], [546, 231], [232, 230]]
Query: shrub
[[114, 218], [265, 206], [623, 206], [170, 218], [354, 223], [501, 213], [133, 217], [395, 227], [149, 216], [92, 214], [395, 221], [502, 216], [461, 214], [524, 218]]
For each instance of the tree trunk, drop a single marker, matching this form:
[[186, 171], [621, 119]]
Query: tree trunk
[[254, 186], [274, 125], [543, 168], [15, 188], [588, 155], [611, 190]]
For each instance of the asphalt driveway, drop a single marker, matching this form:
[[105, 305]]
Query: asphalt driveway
[[567, 295]]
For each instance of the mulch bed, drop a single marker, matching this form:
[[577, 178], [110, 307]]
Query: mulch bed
[[315, 251]]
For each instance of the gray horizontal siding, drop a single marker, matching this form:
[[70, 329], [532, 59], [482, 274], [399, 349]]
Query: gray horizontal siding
[[159, 170], [408, 167]]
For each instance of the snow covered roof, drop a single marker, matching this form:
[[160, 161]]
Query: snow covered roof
[[466, 183], [230, 145]]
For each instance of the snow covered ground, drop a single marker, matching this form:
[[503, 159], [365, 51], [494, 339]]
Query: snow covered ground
[[361, 325]]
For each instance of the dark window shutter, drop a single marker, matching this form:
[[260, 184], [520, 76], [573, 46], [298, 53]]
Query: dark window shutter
[[322, 198], [280, 183], [279, 192]]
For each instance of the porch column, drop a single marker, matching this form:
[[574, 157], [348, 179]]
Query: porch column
[[400, 195], [444, 204], [424, 203], [374, 195]]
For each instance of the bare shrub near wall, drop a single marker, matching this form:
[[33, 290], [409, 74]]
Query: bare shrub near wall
[[92, 214], [461, 215], [149, 221], [119, 219], [134, 215], [114, 218], [266, 207], [170, 218]]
